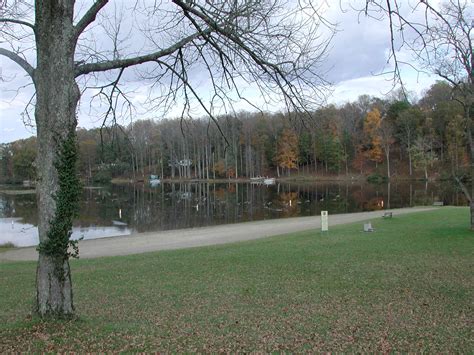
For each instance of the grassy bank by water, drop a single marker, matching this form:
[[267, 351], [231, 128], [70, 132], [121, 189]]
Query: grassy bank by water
[[409, 286]]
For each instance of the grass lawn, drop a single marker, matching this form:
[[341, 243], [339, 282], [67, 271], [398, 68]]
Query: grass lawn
[[409, 286]]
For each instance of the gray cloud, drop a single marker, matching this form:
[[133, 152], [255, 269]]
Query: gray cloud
[[360, 45], [358, 50]]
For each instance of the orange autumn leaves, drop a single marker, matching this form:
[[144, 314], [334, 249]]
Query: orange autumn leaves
[[373, 147], [287, 150]]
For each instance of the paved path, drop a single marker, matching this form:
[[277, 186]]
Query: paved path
[[195, 237]]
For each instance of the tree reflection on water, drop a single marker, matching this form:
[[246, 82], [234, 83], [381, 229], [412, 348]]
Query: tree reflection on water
[[123, 209]]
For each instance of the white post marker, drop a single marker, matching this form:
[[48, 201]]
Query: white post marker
[[324, 221]]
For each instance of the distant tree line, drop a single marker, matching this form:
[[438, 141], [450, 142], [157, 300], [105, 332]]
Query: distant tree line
[[388, 137]]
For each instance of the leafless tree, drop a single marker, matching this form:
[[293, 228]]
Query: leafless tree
[[67, 46], [386, 131], [440, 38]]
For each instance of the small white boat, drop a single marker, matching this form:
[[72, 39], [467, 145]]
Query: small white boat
[[154, 180], [269, 181]]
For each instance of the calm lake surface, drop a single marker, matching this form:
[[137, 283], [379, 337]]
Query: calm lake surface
[[124, 209]]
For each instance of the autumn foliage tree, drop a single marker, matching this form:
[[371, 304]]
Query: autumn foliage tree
[[373, 137], [287, 151], [359, 160]]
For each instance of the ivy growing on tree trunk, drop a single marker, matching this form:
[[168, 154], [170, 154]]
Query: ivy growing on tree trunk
[[59, 245]]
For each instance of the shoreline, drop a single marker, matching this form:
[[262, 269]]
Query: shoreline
[[204, 236], [284, 179], [291, 179]]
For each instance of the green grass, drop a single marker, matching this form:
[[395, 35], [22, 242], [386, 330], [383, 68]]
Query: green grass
[[407, 287]]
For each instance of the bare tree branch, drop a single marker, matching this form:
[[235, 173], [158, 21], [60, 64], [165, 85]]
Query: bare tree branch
[[18, 22], [184, 80], [274, 70], [124, 63], [89, 16], [18, 60], [464, 189]]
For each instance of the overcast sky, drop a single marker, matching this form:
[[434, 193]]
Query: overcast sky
[[357, 55]]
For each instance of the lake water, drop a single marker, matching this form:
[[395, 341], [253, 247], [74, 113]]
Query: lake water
[[124, 209]]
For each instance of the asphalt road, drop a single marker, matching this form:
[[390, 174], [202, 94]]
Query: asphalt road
[[196, 237]]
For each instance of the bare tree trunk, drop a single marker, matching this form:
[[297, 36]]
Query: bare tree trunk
[[198, 164], [247, 162], [207, 162], [236, 162], [388, 194], [142, 162], [213, 166], [133, 163], [409, 163], [241, 160], [409, 157], [150, 159], [470, 196], [195, 160], [173, 160], [161, 163], [57, 95]]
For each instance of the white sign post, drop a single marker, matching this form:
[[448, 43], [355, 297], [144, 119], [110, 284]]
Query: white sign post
[[324, 221]]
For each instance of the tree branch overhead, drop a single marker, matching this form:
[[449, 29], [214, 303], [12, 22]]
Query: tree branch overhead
[[18, 60], [124, 63], [89, 17]]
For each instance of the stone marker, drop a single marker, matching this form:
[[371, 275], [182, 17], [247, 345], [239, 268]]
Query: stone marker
[[368, 227]]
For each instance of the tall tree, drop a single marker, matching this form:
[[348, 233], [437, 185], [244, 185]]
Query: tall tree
[[422, 155], [456, 145], [352, 122], [438, 104], [407, 124], [387, 139], [305, 149], [287, 151], [441, 42], [273, 43], [372, 124], [24, 156]]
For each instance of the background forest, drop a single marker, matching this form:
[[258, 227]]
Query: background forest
[[371, 137]]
